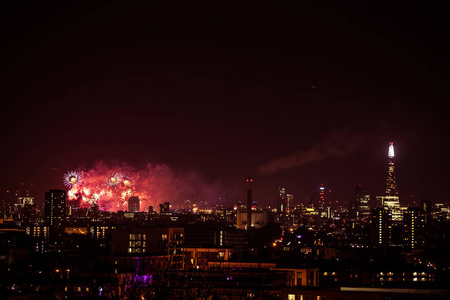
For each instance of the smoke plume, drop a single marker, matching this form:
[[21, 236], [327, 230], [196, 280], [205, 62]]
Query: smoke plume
[[335, 144]]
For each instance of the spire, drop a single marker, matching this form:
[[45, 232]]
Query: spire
[[391, 150], [391, 185]]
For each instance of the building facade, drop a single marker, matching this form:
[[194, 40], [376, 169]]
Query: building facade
[[55, 212]]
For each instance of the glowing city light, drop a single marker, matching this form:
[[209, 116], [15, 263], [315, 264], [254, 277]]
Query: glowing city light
[[391, 150]]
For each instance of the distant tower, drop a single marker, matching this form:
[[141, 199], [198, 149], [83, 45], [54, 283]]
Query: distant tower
[[281, 203], [425, 206], [55, 212], [133, 204], [290, 202], [352, 205], [322, 196], [391, 184], [391, 198], [249, 202]]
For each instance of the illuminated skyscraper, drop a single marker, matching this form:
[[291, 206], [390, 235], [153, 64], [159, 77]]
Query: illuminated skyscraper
[[359, 207], [391, 184], [290, 202], [391, 199], [322, 196], [414, 228], [381, 227], [282, 201], [55, 212]]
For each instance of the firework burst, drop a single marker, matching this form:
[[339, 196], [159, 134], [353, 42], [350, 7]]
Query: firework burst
[[127, 180], [114, 179], [71, 178], [109, 187]]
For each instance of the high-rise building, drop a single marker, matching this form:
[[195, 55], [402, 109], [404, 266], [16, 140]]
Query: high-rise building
[[352, 202], [359, 207], [290, 202], [321, 196], [381, 226], [133, 204], [281, 204], [414, 228], [391, 198], [55, 212], [425, 206], [391, 184]]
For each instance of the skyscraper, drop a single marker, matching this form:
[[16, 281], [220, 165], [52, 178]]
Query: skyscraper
[[391, 184], [363, 206], [391, 198], [55, 212], [321, 196], [133, 204], [359, 207], [425, 206], [381, 227], [414, 228], [352, 203], [281, 204]]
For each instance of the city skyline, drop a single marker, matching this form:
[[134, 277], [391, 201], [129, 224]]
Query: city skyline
[[282, 151], [294, 97], [111, 187]]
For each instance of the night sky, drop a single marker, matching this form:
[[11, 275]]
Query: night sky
[[294, 96]]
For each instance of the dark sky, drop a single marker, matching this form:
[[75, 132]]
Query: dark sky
[[228, 92]]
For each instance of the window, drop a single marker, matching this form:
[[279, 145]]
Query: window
[[137, 243]]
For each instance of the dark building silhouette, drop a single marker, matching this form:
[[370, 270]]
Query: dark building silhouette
[[55, 212], [281, 204], [425, 206], [164, 209], [133, 204], [249, 202]]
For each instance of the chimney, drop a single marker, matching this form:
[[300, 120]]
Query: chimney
[[249, 202]]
